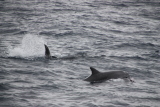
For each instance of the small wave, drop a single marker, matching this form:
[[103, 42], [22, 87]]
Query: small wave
[[81, 55], [130, 57], [154, 54], [139, 45], [75, 56], [23, 58], [4, 86]]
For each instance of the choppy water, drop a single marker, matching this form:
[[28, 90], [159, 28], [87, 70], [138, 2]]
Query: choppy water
[[105, 34]]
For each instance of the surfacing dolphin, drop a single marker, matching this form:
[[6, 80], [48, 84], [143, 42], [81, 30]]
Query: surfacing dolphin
[[47, 53], [97, 76]]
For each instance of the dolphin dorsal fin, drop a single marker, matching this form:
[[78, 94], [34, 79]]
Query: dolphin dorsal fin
[[47, 52], [94, 71]]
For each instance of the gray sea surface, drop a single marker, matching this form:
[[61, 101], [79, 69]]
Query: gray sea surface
[[104, 34]]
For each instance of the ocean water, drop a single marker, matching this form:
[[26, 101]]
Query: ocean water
[[105, 34]]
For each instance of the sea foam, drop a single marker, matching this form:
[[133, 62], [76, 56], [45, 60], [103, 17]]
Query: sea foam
[[31, 46]]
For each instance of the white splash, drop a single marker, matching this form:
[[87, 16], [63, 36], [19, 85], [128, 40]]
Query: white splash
[[31, 46]]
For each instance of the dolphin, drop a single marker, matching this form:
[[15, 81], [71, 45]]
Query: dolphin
[[97, 76], [47, 53]]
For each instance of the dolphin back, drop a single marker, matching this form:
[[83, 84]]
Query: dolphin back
[[97, 76]]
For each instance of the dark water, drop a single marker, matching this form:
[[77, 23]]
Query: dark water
[[105, 34]]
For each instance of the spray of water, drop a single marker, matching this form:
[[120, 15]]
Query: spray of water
[[31, 46]]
